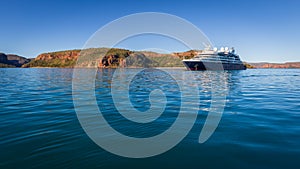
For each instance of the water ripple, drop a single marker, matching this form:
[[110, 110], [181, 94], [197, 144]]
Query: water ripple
[[259, 127]]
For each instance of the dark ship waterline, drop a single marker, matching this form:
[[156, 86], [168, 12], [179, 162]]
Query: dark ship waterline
[[209, 59]]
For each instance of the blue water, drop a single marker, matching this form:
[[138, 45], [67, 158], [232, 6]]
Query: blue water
[[260, 126]]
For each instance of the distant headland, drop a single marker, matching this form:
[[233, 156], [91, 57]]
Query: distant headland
[[115, 57], [10, 60]]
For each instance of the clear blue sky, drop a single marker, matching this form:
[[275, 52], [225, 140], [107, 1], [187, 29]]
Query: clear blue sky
[[260, 30]]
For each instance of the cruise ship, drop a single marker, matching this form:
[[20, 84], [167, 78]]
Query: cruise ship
[[214, 59]]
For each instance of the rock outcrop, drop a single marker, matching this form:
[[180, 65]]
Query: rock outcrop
[[62, 55], [55, 59]]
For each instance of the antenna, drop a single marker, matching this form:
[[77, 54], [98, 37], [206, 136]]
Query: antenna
[[207, 46], [232, 50]]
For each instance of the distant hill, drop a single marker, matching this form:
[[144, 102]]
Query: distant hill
[[55, 59], [114, 57], [94, 57], [9, 60], [266, 65], [108, 58]]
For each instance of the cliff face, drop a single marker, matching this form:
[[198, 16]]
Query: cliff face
[[55, 59], [96, 57], [63, 55], [286, 65], [105, 58]]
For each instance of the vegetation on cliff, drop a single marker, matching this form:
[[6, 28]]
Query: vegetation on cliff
[[2, 65], [105, 58], [55, 59], [188, 54], [102, 57]]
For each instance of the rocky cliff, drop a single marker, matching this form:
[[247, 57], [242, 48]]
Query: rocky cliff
[[55, 59], [107, 58], [95, 57]]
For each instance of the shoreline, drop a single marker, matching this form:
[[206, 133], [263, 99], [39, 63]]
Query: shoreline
[[122, 67]]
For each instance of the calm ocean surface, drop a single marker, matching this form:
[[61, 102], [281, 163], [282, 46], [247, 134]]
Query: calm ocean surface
[[260, 126]]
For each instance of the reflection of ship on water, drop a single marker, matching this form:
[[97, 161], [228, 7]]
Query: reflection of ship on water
[[214, 59]]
